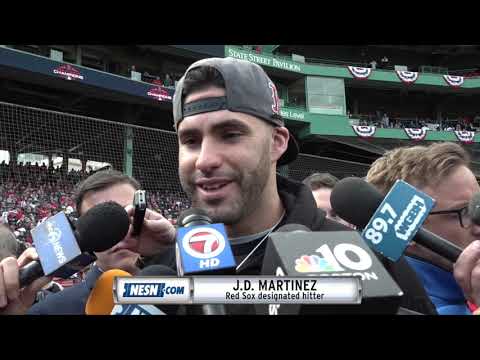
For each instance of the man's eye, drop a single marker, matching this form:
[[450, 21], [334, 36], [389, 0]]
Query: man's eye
[[189, 141], [231, 135]]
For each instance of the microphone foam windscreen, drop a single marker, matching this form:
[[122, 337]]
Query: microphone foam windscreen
[[192, 215], [161, 270], [293, 227], [355, 200], [100, 300], [157, 270], [103, 226]]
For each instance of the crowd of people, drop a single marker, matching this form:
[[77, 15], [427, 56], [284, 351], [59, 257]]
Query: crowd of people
[[472, 73], [382, 64], [30, 193], [167, 80], [169, 203], [383, 120], [163, 79]]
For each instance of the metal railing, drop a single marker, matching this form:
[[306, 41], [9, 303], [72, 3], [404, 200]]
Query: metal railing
[[295, 106], [379, 67], [468, 73], [329, 62]]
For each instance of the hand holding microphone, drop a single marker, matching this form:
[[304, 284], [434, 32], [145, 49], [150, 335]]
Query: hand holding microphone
[[355, 201], [467, 272], [367, 199], [63, 250], [467, 268], [13, 299], [59, 251]]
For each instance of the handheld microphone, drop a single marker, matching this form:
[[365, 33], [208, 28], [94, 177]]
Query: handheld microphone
[[355, 201], [294, 250], [100, 301], [63, 251], [203, 248]]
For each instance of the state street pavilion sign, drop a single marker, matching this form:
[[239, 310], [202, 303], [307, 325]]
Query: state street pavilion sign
[[262, 59]]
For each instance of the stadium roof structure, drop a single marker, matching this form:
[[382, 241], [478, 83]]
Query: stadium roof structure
[[62, 85]]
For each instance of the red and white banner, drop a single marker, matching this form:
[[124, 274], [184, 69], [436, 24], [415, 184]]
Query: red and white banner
[[407, 77], [364, 131], [465, 137], [360, 73], [159, 93], [454, 81], [416, 134], [68, 72]]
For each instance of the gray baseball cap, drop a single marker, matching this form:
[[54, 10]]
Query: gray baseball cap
[[248, 90]]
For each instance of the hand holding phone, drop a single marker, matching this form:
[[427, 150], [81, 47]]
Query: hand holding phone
[[140, 206]]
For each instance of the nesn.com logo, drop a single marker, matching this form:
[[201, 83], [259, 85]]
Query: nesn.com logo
[[151, 290]]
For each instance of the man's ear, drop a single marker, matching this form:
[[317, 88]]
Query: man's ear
[[280, 137]]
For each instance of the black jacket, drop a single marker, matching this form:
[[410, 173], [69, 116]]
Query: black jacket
[[301, 209]]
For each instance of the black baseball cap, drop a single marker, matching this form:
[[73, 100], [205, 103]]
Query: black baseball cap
[[248, 90]]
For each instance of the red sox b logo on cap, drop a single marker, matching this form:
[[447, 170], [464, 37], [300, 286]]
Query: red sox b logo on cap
[[276, 101]]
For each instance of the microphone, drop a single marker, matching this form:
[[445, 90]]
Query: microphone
[[356, 201], [63, 250], [203, 248], [474, 209], [100, 301], [294, 250]]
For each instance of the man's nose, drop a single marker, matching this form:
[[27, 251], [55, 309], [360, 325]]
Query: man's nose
[[210, 156]]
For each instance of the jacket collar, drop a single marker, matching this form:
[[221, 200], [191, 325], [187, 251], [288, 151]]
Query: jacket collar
[[300, 206], [92, 275]]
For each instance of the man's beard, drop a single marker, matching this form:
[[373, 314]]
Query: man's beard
[[251, 185]]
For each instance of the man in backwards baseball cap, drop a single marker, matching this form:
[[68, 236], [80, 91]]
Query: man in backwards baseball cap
[[231, 138]]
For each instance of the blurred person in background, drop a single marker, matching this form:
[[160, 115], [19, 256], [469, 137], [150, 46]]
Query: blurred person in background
[[322, 185]]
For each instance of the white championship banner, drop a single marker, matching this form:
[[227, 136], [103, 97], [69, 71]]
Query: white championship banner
[[237, 290]]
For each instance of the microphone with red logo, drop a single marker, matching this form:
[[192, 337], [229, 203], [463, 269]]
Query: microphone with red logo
[[203, 248]]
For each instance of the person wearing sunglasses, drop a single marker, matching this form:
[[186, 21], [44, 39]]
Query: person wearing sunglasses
[[441, 170]]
